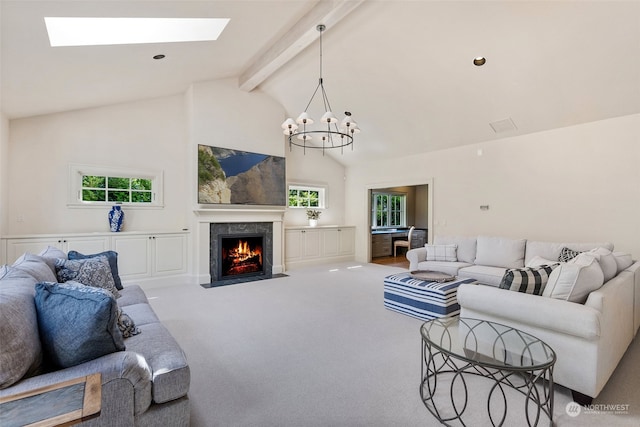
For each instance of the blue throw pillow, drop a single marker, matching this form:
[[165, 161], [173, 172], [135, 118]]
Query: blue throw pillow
[[112, 257], [77, 323]]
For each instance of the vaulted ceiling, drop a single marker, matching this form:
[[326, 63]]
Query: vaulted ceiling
[[403, 68]]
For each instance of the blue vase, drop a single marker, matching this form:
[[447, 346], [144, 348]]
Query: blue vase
[[116, 218]]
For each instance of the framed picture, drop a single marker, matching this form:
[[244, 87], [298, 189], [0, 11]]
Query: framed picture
[[235, 177]]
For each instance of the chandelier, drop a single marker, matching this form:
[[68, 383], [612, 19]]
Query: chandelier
[[335, 135]]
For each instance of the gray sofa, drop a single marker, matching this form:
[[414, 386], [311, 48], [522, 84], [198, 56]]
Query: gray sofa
[[143, 384], [588, 311]]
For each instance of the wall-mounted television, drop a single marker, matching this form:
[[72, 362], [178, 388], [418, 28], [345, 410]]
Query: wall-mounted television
[[235, 177]]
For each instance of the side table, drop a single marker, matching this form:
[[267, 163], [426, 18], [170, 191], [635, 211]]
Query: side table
[[62, 404], [465, 360]]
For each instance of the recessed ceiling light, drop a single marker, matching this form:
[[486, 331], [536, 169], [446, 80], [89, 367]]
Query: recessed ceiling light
[[479, 61], [158, 56], [110, 31]]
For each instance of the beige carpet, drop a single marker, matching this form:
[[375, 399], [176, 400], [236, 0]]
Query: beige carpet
[[317, 348]]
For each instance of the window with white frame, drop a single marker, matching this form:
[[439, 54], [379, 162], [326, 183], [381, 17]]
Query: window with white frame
[[304, 196], [99, 186], [388, 209]]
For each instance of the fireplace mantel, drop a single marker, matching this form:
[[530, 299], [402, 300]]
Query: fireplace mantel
[[207, 216]]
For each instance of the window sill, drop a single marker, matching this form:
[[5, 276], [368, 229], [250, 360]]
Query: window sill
[[109, 205]]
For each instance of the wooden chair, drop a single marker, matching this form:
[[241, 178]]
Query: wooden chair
[[403, 243]]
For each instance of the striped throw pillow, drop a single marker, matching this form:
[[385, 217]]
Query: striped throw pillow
[[530, 280]]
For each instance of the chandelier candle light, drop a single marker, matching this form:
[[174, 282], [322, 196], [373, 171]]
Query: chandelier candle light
[[333, 136]]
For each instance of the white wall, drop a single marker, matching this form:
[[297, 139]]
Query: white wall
[[315, 169], [223, 116], [146, 135], [4, 172], [159, 134], [580, 183]]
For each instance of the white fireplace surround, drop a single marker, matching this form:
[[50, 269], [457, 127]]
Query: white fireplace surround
[[205, 217]]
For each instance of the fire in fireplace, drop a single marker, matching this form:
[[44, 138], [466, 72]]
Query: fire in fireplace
[[241, 255]]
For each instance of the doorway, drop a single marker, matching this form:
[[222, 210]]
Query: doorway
[[417, 210]]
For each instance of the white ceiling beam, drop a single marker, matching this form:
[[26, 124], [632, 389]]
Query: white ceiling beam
[[301, 35]]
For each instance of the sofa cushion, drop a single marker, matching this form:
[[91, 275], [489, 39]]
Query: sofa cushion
[[575, 280], [500, 252], [77, 323], [447, 267], [466, 251], [537, 261], [131, 294], [20, 349], [607, 262], [530, 280], [441, 252], [483, 274], [51, 252], [112, 257], [36, 266], [623, 261], [551, 250], [90, 271]]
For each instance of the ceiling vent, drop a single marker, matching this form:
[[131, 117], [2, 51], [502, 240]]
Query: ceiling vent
[[504, 125]]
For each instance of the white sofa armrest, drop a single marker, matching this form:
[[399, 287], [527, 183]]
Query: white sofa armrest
[[415, 256], [538, 311]]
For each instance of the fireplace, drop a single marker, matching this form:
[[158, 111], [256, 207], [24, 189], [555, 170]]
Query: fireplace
[[240, 252], [240, 255]]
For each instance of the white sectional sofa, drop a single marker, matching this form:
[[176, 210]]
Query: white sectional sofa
[[588, 309]]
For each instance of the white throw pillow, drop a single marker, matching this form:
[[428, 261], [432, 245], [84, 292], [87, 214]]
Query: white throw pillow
[[441, 252], [574, 281], [607, 262], [623, 261], [500, 252], [466, 251]]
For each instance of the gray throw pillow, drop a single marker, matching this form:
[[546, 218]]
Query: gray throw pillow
[[77, 323], [112, 257], [91, 272]]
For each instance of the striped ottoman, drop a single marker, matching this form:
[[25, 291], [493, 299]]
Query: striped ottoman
[[422, 299]]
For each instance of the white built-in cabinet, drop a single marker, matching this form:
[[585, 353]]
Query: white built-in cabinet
[[141, 255], [152, 255], [83, 244], [311, 245]]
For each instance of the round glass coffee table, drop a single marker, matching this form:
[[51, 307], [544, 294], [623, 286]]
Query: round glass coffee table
[[465, 360]]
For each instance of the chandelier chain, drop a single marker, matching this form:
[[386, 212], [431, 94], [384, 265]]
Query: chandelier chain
[[345, 132]]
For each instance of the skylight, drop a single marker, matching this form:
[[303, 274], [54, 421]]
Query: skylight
[[110, 31]]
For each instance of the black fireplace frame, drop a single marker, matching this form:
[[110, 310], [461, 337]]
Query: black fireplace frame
[[239, 228]]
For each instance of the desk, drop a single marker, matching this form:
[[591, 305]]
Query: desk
[[382, 240], [62, 404]]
